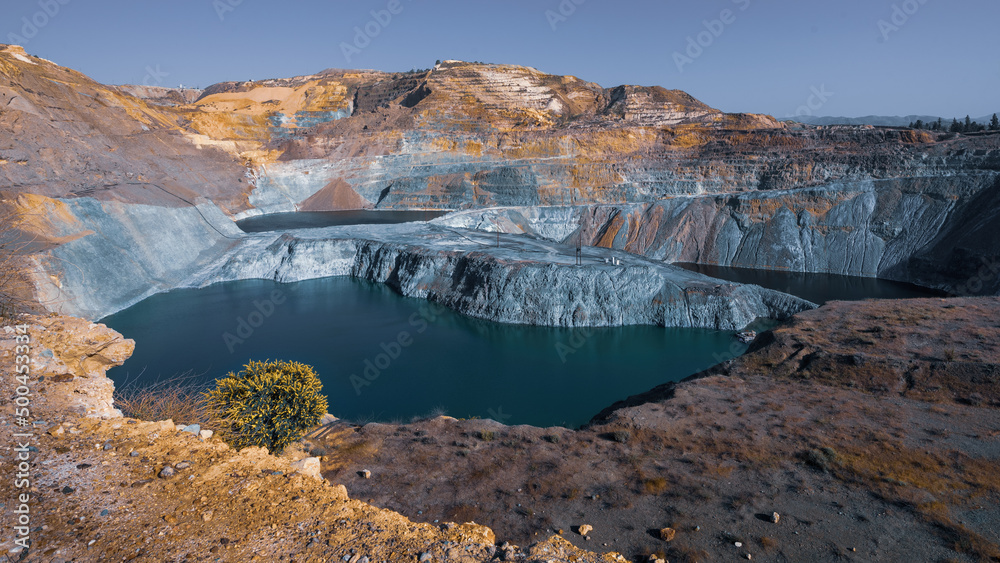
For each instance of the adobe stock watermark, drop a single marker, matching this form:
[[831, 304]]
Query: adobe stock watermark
[[498, 415], [562, 13], [223, 7], [901, 14], [988, 271], [697, 44], [22, 461], [816, 100], [154, 76], [364, 35], [576, 341], [33, 24], [390, 351], [246, 326]]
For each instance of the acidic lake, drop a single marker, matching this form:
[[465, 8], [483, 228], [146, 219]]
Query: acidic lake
[[383, 357]]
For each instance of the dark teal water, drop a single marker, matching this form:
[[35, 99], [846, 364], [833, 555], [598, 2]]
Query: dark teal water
[[383, 357], [818, 288], [317, 219]]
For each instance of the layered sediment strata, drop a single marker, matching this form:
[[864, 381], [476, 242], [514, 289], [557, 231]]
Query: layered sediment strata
[[932, 231]]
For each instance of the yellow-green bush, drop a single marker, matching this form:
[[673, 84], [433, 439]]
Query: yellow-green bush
[[269, 404]]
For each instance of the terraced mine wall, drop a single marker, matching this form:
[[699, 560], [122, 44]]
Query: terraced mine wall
[[933, 231]]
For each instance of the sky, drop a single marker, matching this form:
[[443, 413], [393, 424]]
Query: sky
[[781, 57]]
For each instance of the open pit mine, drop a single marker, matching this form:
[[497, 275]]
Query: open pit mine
[[862, 431]]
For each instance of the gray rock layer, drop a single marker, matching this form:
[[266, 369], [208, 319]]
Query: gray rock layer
[[518, 283], [939, 232]]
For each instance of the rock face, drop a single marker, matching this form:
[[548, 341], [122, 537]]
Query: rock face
[[143, 249], [69, 359], [78, 138], [928, 230], [523, 281]]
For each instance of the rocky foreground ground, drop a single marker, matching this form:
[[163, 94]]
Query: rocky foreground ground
[[861, 431], [106, 488], [870, 428]]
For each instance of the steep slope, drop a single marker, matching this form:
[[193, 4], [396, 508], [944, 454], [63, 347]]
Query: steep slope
[[64, 135]]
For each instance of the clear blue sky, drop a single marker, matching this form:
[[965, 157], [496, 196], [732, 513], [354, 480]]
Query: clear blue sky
[[943, 59]]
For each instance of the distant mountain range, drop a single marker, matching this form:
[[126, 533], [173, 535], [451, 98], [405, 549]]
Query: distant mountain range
[[885, 120]]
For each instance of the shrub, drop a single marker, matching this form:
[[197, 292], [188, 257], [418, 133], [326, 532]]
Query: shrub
[[823, 459], [621, 436], [268, 404], [655, 486]]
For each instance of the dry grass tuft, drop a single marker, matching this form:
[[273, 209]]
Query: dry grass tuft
[[16, 290], [180, 399], [655, 486]]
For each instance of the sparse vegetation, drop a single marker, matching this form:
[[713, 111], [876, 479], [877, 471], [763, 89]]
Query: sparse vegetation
[[655, 486], [269, 404], [15, 287], [181, 399], [823, 458]]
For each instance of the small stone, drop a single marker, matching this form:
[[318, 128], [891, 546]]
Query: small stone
[[192, 429], [206, 434], [67, 490], [585, 529], [749, 556], [207, 516], [738, 544], [179, 427], [134, 453], [668, 534], [108, 447], [105, 512], [775, 517], [310, 467], [57, 431], [182, 465], [167, 472], [365, 474], [426, 556]]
